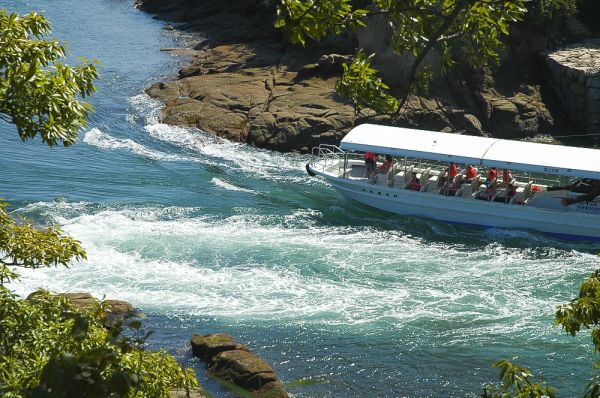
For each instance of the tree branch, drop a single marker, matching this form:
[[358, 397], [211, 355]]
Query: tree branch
[[460, 5]]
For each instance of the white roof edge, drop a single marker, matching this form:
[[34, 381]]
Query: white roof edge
[[489, 152]]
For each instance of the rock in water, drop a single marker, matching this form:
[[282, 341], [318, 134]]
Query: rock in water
[[206, 347], [115, 308], [197, 393], [235, 363], [248, 371]]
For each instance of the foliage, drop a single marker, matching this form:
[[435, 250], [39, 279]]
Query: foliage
[[39, 94], [543, 11], [584, 312], [517, 382], [47, 347], [23, 245], [360, 84], [300, 20], [587, 13], [417, 26]]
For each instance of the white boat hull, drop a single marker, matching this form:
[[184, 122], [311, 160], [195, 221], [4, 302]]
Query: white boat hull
[[561, 223]]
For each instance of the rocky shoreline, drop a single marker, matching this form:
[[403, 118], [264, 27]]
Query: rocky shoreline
[[246, 85]]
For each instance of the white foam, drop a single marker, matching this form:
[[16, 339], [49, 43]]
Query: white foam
[[230, 187], [257, 162], [290, 267], [147, 107], [97, 138]]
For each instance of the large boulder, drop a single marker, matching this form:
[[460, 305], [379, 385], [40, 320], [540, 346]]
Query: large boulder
[[208, 346], [115, 308], [235, 363], [248, 371], [196, 393]]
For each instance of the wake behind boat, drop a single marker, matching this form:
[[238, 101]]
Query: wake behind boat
[[547, 188]]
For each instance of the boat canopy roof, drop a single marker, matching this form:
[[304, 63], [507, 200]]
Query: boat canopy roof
[[482, 151]]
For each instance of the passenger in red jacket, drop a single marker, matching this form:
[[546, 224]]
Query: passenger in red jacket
[[452, 172], [506, 176], [387, 165], [448, 175], [370, 163], [471, 173], [415, 184], [492, 175]]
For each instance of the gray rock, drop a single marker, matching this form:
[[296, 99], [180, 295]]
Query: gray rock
[[248, 371], [208, 346], [196, 393]]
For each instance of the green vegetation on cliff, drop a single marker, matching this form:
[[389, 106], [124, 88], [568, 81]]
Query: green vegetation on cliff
[[417, 26], [473, 30]]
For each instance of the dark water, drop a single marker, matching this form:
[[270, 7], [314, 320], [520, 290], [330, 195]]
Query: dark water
[[210, 236]]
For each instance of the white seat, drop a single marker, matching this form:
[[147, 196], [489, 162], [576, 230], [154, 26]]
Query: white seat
[[500, 194], [458, 181], [519, 197], [382, 179], [465, 192], [392, 175], [475, 183], [527, 191], [430, 185], [399, 181], [408, 176], [424, 177]]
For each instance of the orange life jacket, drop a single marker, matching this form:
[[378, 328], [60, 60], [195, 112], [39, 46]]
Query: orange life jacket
[[471, 172], [452, 171]]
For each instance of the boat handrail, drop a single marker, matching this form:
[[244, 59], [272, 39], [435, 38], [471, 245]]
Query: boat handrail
[[324, 150], [327, 155]]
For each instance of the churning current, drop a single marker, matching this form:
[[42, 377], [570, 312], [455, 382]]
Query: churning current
[[206, 235]]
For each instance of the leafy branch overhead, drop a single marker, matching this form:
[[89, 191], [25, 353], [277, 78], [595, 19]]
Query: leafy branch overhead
[[473, 27], [49, 348], [39, 94], [361, 85], [23, 245]]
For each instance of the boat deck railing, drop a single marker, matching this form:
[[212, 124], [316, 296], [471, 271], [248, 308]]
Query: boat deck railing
[[326, 156]]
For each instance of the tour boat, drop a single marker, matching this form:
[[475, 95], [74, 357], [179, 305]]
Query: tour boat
[[535, 197]]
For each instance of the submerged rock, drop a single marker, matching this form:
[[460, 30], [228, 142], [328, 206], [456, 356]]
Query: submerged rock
[[248, 371], [235, 363], [206, 347]]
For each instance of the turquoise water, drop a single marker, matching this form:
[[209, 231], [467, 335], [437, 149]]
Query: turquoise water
[[207, 236]]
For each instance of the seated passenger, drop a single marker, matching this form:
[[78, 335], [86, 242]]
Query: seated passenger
[[510, 192], [490, 191], [490, 181], [370, 164], [452, 173], [449, 173], [386, 166], [449, 188], [492, 175], [506, 176], [471, 173], [415, 184]]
